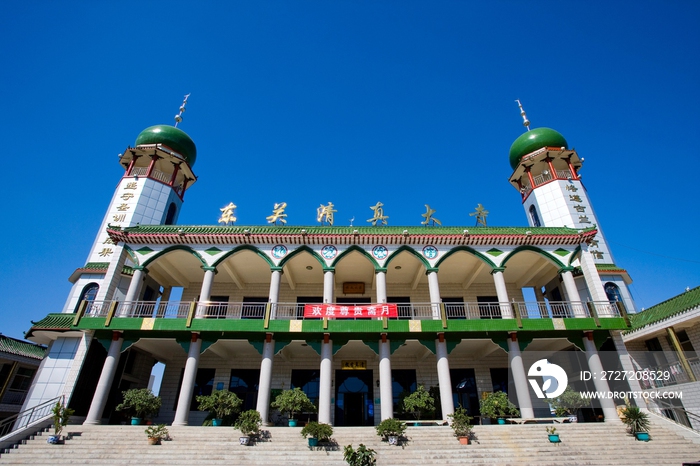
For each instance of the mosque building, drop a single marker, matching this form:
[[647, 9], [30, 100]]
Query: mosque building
[[353, 315]]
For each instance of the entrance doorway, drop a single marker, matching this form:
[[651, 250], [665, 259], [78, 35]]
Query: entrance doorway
[[354, 398]]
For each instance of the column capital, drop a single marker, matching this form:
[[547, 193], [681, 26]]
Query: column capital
[[565, 269], [429, 270], [497, 269], [328, 269], [208, 268], [380, 269], [275, 268], [140, 268]]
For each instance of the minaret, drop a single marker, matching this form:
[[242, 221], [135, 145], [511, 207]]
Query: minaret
[[546, 172], [157, 172]]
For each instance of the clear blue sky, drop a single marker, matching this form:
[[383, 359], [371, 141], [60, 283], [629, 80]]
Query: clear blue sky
[[353, 102]]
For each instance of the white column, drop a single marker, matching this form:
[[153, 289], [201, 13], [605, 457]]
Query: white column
[[627, 363], [207, 283], [265, 383], [325, 374], [328, 286], [499, 282], [590, 274], [381, 285], [274, 296], [133, 291], [99, 400], [601, 385], [444, 379], [434, 289], [572, 292], [522, 389], [386, 396], [188, 378]]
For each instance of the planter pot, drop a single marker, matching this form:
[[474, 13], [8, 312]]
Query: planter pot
[[54, 439], [244, 440], [216, 422], [393, 439], [554, 438], [501, 421], [153, 441], [292, 423], [463, 440], [642, 436], [136, 421], [313, 441]]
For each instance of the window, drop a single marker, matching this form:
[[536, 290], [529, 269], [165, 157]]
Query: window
[[534, 218], [88, 294], [23, 378], [170, 217], [613, 292]]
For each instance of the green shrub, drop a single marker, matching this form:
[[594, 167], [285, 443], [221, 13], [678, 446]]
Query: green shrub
[[293, 401], [390, 427], [249, 423], [139, 402], [496, 405], [363, 456], [317, 430], [419, 403], [222, 403]]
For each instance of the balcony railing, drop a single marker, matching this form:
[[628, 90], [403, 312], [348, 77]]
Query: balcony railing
[[13, 397], [406, 311], [672, 373]]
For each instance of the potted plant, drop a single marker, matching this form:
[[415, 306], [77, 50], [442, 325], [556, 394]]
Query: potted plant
[[497, 406], [61, 415], [460, 422], [419, 403], [317, 432], [363, 456], [391, 429], [140, 403], [156, 433], [553, 436], [221, 403], [291, 402], [568, 403], [637, 422], [248, 423]]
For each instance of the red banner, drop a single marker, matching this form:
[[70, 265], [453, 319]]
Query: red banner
[[338, 311]]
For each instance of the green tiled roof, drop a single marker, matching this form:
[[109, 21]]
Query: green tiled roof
[[676, 305], [21, 348], [55, 321], [608, 267], [363, 230], [96, 265]]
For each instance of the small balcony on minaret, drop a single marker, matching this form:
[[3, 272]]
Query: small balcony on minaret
[[159, 163], [543, 166]]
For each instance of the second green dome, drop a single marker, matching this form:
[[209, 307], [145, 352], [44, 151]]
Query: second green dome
[[172, 137], [534, 140]]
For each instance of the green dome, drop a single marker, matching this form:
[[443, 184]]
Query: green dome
[[533, 140], [170, 136]]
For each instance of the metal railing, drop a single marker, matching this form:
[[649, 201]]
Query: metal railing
[[14, 397], [675, 371], [21, 420], [406, 311], [677, 414]]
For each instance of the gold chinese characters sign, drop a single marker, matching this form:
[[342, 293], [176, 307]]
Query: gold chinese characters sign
[[353, 365]]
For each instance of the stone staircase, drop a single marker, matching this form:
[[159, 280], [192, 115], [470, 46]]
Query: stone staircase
[[582, 444]]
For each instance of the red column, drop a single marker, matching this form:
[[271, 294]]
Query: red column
[[152, 165], [131, 165], [175, 171]]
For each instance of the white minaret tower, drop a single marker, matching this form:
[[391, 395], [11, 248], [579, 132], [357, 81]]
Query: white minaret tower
[[546, 173], [158, 171]]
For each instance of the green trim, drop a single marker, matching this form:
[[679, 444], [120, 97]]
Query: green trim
[[351, 249], [557, 263], [466, 249], [300, 250], [213, 251], [497, 269], [561, 252], [208, 268], [132, 254], [244, 247], [575, 255], [429, 270], [565, 269], [96, 266], [494, 252], [144, 250], [411, 251], [175, 248]]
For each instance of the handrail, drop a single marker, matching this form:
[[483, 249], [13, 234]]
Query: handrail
[[406, 311], [28, 416], [677, 414]]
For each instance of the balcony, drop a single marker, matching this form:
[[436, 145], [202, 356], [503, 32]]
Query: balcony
[[406, 311]]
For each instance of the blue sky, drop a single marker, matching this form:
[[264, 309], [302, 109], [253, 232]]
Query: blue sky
[[352, 102]]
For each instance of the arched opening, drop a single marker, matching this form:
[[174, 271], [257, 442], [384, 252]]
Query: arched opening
[[88, 294], [613, 292], [170, 216], [534, 217]]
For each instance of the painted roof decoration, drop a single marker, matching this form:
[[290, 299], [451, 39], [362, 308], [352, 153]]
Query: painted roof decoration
[[21, 348], [172, 137], [532, 140], [669, 308], [208, 234]]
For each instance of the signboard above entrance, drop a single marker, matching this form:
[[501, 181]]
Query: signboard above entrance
[[350, 312]]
